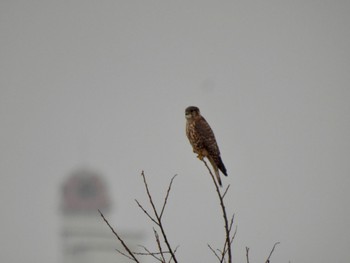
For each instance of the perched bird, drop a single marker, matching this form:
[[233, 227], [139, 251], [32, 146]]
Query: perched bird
[[203, 141]]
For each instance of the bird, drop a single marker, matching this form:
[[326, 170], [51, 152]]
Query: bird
[[203, 141]]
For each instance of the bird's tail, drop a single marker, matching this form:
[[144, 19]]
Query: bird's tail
[[222, 167], [216, 170]]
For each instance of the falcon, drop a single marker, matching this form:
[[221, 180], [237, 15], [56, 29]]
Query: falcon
[[203, 141]]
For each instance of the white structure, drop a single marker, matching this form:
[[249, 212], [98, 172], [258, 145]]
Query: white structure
[[85, 236]]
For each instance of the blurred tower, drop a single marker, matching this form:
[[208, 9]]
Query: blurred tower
[[85, 237]]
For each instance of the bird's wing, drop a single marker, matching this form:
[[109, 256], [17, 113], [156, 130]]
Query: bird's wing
[[207, 137]]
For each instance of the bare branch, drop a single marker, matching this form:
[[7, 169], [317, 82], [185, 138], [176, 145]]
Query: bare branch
[[175, 250], [158, 218], [168, 255], [232, 238], [231, 222], [145, 211], [268, 259], [223, 196], [167, 195], [149, 253], [234, 235], [212, 250], [119, 238], [125, 255], [227, 228], [159, 245], [246, 254], [149, 195]]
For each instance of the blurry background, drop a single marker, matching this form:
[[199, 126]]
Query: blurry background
[[102, 86]]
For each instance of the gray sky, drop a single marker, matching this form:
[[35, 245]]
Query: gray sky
[[104, 84]]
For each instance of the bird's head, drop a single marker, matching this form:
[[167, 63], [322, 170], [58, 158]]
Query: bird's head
[[192, 112]]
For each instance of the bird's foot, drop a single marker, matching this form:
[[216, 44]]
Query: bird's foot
[[200, 157]]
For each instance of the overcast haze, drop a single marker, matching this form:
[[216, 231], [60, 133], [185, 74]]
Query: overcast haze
[[104, 85]]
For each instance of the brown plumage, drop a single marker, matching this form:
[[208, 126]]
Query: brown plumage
[[203, 140]]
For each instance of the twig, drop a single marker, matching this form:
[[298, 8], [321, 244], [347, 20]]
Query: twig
[[234, 235], [167, 195], [223, 196], [175, 250], [273, 248], [132, 256], [231, 223], [212, 250], [232, 238], [149, 253], [159, 245], [145, 211], [246, 254], [125, 255], [149, 196]]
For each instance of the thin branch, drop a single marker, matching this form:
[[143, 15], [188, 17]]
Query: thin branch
[[145, 211], [175, 250], [212, 250], [149, 253], [119, 238], [223, 196], [159, 245], [246, 254], [234, 235], [227, 230], [231, 222], [167, 195], [268, 259], [149, 196], [125, 255], [225, 245]]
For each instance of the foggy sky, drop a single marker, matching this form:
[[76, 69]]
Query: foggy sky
[[104, 85]]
